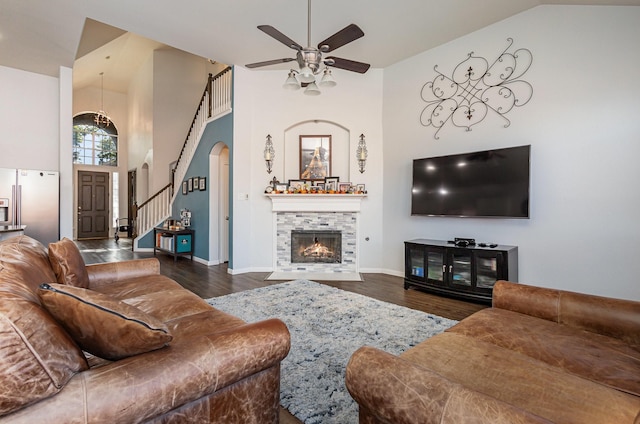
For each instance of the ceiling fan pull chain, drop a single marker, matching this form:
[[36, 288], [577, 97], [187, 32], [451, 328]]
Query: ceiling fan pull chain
[[309, 25]]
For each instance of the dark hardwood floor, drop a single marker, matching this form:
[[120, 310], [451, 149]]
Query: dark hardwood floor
[[214, 281]]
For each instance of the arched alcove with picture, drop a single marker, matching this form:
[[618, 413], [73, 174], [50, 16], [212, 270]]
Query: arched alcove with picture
[[316, 132]]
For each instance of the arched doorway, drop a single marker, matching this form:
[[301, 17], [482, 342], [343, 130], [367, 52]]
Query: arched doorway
[[219, 204]]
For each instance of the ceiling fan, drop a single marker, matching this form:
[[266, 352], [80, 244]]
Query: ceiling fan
[[310, 59]]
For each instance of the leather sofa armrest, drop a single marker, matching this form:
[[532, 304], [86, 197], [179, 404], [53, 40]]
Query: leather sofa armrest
[[537, 302], [105, 273], [390, 389], [140, 387], [611, 317]]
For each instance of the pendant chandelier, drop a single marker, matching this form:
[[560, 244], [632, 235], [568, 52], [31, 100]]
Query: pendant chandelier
[[101, 119]]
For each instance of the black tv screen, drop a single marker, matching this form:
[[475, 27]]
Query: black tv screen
[[489, 183]]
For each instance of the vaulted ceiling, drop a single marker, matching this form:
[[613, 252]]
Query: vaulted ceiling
[[41, 35]]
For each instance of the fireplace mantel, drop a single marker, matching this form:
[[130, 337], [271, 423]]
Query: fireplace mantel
[[316, 202]]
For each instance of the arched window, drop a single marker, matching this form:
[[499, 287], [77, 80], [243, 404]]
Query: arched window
[[93, 144]]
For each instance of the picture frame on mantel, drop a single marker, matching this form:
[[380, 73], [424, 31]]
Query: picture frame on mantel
[[344, 187], [315, 157], [296, 184], [331, 183]]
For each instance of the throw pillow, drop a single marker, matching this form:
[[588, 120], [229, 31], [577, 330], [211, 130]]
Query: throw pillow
[[101, 324], [68, 264]]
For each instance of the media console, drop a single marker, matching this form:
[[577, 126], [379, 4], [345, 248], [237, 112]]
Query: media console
[[174, 242], [467, 272]]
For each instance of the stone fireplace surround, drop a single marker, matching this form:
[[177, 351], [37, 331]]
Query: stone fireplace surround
[[337, 212]]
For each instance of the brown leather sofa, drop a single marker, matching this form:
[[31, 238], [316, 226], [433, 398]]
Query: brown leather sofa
[[174, 358], [537, 356]]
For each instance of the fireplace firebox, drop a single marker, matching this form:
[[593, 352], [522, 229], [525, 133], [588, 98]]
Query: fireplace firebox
[[316, 246]]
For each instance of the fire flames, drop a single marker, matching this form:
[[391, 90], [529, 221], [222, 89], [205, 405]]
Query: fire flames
[[317, 250]]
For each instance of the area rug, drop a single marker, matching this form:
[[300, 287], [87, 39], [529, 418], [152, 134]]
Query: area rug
[[327, 325]]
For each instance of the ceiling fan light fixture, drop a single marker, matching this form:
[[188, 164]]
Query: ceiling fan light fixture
[[291, 83], [306, 74], [327, 79], [310, 59], [312, 90]]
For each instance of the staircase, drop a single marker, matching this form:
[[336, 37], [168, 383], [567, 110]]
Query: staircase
[[215, 102]]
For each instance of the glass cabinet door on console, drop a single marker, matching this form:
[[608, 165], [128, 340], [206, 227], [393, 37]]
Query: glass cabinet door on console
[[488, 267], [426, 263], [460, 268], [415, 266], [469, 272], [436, 269]]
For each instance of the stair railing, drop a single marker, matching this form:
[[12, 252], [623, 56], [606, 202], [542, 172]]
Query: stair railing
[[214, 103], [153, 210]]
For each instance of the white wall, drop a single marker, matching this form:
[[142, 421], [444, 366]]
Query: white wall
[[261, 107], [179, 79], [67, 209], [162, 100], [29, 119], [582, 125], [140, 123]]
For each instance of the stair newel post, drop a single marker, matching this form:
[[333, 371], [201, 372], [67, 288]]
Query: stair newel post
[[209, 91]]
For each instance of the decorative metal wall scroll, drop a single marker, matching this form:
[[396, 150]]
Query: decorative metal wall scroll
[[477, 88]]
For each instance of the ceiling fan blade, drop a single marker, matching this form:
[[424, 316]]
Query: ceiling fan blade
[[344, 36], [349, 65], [269, 30], [269, 62]]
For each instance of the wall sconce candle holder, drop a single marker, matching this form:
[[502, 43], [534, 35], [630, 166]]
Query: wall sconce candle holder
[[361, 153], [269, 154]]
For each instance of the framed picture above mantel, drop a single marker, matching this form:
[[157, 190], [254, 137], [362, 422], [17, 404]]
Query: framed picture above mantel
[[315, 157]]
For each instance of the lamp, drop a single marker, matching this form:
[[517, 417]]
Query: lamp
[[101, 119], [327, 79], [269, 153], [291, 83], [306, 76], [312, 90], [361, 153]]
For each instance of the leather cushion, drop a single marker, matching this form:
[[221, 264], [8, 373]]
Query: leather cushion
[[102, 325], [522, 381], [68, 264], [38, 357], [24, 265], [602, 359]]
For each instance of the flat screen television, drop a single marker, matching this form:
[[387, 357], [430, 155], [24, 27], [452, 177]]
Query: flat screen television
[[489, 183]]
